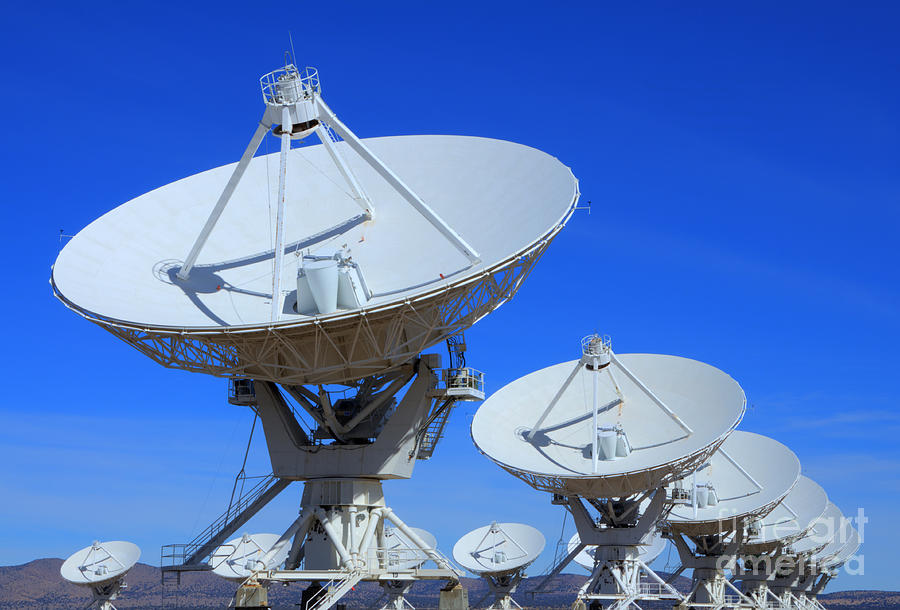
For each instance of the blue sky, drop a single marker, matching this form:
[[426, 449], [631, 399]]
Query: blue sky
[[742, 161]]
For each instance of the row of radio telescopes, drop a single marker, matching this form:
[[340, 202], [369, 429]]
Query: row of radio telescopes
[[315, 278]]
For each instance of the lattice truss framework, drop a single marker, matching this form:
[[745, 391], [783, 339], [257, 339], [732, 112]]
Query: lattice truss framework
[[607, 487], [337, 348]]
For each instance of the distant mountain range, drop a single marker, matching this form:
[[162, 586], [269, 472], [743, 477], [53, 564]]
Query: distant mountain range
[[38, 585]]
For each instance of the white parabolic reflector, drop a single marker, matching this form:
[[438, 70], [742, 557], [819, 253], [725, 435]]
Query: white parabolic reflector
[[402, 553], [237, 559], [846, 552], [820, 534], [100, 563], [558, 458], [750, 473], [505, 199], [841, 533], [645, 552], [499, 548], [791, 518]]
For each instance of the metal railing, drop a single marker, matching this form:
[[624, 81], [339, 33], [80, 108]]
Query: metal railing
[[289, 84], [177, 555], [464, 381]]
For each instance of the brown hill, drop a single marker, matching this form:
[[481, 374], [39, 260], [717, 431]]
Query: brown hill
[[38, 585]]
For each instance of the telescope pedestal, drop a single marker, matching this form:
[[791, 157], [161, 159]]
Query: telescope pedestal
[[339, 536], [710, 588], [619, 578], [501, 589]]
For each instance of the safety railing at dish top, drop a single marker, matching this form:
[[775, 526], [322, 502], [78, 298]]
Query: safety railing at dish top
[[289, 84]]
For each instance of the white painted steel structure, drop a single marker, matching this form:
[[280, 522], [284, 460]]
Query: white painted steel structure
[[605, 434], [314, 278], [539, 427], [798, 570], [769, 544], [499, 553], [451, 241], [646, 552], [743, 481], [101, 567]]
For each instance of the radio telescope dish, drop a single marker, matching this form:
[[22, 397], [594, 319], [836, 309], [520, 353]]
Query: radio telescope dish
[[791, 519], [820, 534], [102, 567], [239, 558], [499, 548], [847, 551], [401, 285], [839, 534], [749, 475], [662, 415], [646, 553], [402, 553]]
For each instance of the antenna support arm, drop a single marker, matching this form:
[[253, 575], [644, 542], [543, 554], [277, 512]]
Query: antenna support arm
[[261, 129], [672, 415], [391, 178]]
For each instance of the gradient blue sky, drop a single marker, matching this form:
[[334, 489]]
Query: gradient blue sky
[[742, 160]]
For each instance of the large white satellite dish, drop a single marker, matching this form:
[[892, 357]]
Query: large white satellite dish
[[841, 534], [101, 567], [820, 534], [314, 279], [692, 406], [506, 199], [749, 473], [499, 548], [239, 558], [605, 433], [790, 520], [499, 553], [646, 552], [816, 577], [810, 557], [743, 481], [847, 551], [794, 523]]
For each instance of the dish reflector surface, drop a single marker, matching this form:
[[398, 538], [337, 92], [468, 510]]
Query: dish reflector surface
[[840, 534], [100, 563], [558, 458], [402, 553], [505, 199], [499, 548], [791, 518], [821, 533], [844, 555], [771, 471], [646, 552], [237, 559]]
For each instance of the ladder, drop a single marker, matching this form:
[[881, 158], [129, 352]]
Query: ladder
[[333, 591]]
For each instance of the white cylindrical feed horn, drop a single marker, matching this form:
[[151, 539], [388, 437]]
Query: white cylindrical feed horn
[[323, 279]]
